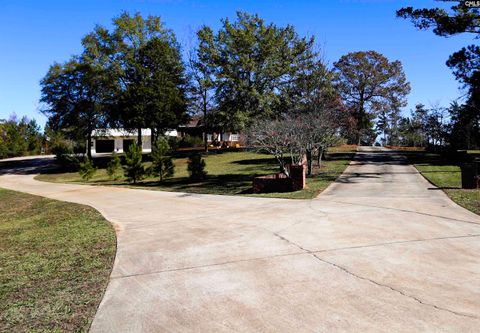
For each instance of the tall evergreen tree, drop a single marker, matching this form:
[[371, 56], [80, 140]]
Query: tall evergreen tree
[[461, 18], [74, 94], [254, 63], [151, 74]]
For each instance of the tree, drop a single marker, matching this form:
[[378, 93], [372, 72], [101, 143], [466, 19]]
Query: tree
[[271, 136], [464, 126], [19, 137], [114, 166], [162, 164], [155, 95], [461, 18], [196, 167], [87, 169], [74, 97], [201, 90], [147, 62], [296, 136], [367, 81], [253, 64], [134, 169]]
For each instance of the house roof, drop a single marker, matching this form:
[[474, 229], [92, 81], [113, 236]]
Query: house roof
[[122, 132], [195, 121]]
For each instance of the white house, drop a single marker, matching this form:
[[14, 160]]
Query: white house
[[118, 140]]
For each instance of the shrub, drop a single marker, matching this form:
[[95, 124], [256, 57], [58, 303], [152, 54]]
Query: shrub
[[87, 170], [64, 153], [196, 167], [173, 143], [114, 167], [134, 170], [190, 142], [162, 165]]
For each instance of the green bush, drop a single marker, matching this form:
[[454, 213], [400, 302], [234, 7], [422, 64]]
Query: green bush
[[114, 167], [134, 169], [196, 167], [162, 165], [87, 170], [64, 153], [173, 142], [190, 142]]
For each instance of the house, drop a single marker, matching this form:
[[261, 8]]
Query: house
[[108, 140], [118, 140], [195, 127]]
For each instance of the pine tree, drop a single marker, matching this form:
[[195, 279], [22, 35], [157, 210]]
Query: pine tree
[[87, 170], [114, 167], [162, 164], [196, 167], [134, 169]]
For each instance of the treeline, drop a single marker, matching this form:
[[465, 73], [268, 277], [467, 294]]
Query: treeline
[[132, 76], [20, 137], [249, 72], [458, 126]]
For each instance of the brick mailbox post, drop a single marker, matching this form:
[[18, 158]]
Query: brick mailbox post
[[297, 175], [470, 174], [281, 183]]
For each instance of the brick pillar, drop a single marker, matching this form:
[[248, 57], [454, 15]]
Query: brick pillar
[[297, 174]]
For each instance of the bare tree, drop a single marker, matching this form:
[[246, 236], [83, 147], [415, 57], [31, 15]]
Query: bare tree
[[296, 137]]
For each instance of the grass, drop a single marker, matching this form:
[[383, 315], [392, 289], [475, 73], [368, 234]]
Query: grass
[[55, 262], [229, 173], [447, 176]]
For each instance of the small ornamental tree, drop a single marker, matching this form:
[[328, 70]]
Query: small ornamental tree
[[162, 164], [294, 138], [196, 167], [134, 169], [114, 167], [87, 170]]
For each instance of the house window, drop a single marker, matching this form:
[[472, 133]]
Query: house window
[[209, 137], [234, 137], [104, 146]]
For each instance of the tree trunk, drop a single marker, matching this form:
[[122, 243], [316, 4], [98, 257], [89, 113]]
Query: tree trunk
[[89, 143], [153, 137], [309, 162], [319, 157], [205, 128], [139, 138], [205, 141]]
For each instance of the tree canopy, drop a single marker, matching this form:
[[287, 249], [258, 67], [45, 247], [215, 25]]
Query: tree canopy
[[368, 82], [465, 63], [253, 65], [132, 77]]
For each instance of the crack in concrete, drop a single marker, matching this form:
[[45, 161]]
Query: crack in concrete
[[292, 243], [205, 266], [312, 253], [449, 219], [394, 289], [395, 242]]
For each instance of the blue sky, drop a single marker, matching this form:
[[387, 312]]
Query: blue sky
[[34, 34]]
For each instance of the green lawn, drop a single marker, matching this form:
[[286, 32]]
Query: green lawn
[[446, 176], [229, 173], [55, 262]]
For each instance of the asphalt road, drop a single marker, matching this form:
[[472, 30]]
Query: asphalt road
[[381, 250]]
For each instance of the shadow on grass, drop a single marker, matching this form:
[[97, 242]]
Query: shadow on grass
[[339, 156], [218, 184], [256, 161]]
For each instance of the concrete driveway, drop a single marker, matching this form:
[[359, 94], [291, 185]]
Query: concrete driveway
[[381, 250]]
